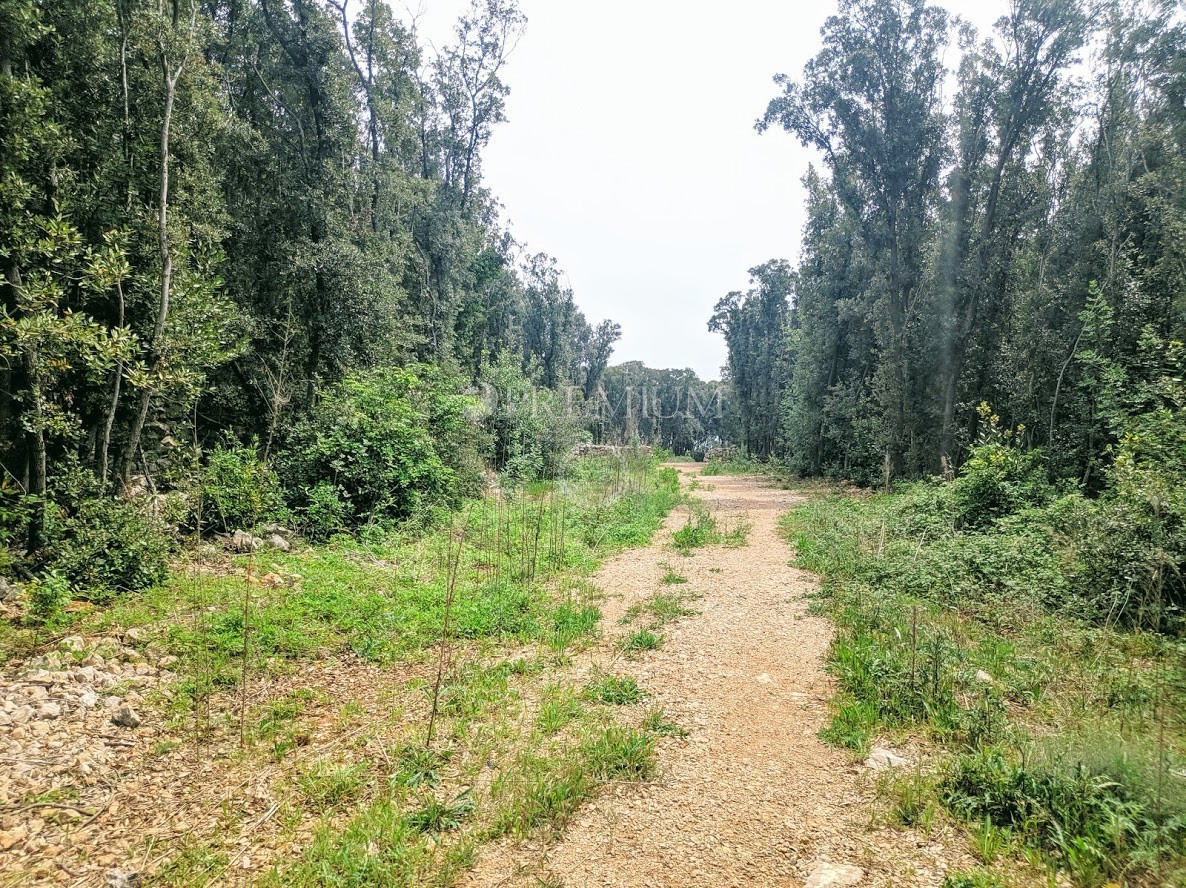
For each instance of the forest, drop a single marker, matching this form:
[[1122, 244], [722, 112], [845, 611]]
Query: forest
[[992, 270], [337, 550], [223, 227], [984, 333]]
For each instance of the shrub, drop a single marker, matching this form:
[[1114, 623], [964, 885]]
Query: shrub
[[1095, 823], [1131, 545], [100, 544], [325, 512], [238, 489], [392, 444], [46, 597], [997, 480], [531, 431]]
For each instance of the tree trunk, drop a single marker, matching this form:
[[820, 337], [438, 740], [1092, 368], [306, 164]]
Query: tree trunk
[[38, 460], [158, 330]]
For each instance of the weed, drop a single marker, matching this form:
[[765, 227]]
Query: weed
[[618, 690], [558, 709], [325, 786], [621, 754], [661, 608], [419, 766], [912, 800], [976, 878], [436, 817], [540, 791], [657, 723], [699, 530], [639, 642]]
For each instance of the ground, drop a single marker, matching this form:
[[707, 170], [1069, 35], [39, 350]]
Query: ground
[[752, 796], [745, 792]]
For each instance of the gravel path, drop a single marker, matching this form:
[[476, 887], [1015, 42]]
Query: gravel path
[[752, 796]]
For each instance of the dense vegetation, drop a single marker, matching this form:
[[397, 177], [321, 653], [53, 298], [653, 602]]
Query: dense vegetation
[[249, 265], [994, 219], [987, 319], [987, 615]]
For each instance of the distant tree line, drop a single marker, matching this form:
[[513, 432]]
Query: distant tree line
[[1009, 232]]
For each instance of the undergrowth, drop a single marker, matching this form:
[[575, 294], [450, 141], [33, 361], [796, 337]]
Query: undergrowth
[[1062, 731]]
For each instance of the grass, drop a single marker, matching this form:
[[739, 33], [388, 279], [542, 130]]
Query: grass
[[639, 642], [661, 608], [616, 690], [699, 530], [704, 529], [1059, 736], [393, 811], [657, 722], [672, 578], [326, 786]]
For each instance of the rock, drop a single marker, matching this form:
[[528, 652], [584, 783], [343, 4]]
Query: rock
[[881, 758], [9, 591], [833, 875], [49, 710], [89, 699], [10, 838], [242, 541], [278, 542], [22, 714], [126, 717], [113, 702], [72, 643], [121, 879], [136, 487], [136, 633], [764, 678], [984, 678]]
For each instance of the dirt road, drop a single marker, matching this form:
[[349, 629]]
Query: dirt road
[[752, 796]]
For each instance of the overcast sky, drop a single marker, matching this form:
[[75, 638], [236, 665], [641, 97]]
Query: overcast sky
[[630, 154]]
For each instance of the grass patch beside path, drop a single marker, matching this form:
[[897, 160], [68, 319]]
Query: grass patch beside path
[[1063, 740], [384, 809]]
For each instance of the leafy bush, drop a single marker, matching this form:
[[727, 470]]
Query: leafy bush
[[1094, 823], [997, 479], [391, 444], [531, 429], [326, 512], [238, 489], [100, 544], [1131, 545], [46, 597]]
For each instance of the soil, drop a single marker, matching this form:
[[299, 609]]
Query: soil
[[752, 796]]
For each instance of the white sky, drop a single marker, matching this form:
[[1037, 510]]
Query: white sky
[[630, 154]]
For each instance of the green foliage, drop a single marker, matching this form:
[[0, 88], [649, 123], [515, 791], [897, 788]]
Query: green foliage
[[699, 530], [997, 479], [238, 490], [325, 786], [616, 690], [1098, 826], [394, 443], [621, 754], [436, 817], [641, 641], [980, 637], [657, 722], [46, 598], [532, 429], [100, 544]]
